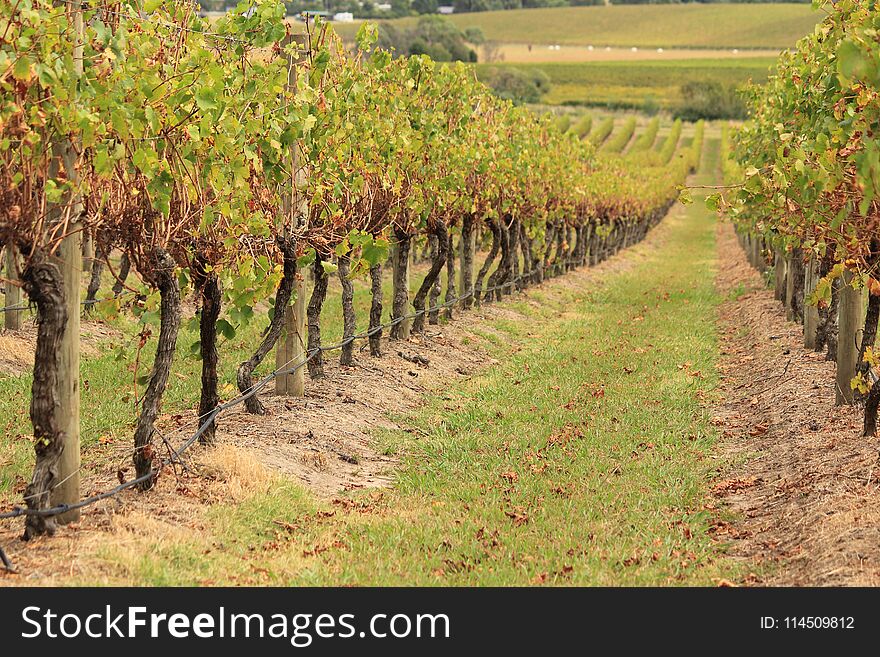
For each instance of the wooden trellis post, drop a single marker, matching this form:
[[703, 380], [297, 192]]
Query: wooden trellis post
[[66, 490], [291, 347], [811, 312]]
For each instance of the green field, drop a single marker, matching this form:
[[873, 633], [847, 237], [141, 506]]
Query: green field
[[637, 84], [649, 26]]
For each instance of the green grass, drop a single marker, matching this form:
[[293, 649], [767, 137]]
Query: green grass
[[636, 84], [650, 26], [582, 458]]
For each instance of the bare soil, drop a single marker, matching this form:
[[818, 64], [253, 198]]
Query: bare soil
[[17, 347], [521, 53], [803, 487]]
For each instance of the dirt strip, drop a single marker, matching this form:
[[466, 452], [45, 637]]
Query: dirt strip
[[804, 486]]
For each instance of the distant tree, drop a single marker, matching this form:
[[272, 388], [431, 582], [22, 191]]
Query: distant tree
[[709, 99], [465, 6], [400, 7], [517, 85], [474, 35], [492, 52], [432, 35], [424, 6]]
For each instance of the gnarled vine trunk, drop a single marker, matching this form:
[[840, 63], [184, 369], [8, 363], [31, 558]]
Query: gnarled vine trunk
[[450, 276], [795, 290], [549, 241], [490, 258], [124, 268], [869, 333], [467, 261], [43, 284], [525, 247], [516, 281], [95, 279], [499, 276], [165, 279], [282, 301], [376, 311], [313, 318], [558, 256], [580, 250], [400, 299], [209, 292], [349, 321], [436, 289], [567, 264], [430, 278], [826, 332]]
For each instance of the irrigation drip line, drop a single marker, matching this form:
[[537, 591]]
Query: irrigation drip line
[[86, 302]]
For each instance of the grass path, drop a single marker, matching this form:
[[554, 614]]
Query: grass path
[[582, 458]]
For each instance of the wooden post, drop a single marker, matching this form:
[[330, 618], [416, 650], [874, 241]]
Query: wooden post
[[789, 288], [291, 347], [850, 315], [760, 263], [779, 265], [466, 246], [811, 312], [66, 490], [12, 318]]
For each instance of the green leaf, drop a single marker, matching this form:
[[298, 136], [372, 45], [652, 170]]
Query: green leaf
[[225, 329], [103, 163], [308, 124], [22, 69], [119, 123], [206, 99], [375, 253], [151, 317], [851, 61], [306, 259]]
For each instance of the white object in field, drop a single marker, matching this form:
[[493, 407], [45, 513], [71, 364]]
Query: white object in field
[[384, 6], [735, 50], [634, 49], [343, 17], [659, 49], [607, 48], [446, 9], [590, 48]]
